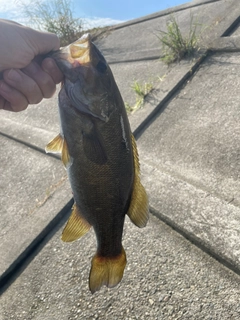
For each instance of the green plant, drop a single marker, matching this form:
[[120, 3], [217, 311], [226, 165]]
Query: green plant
[[54, 16], [128, 107], [175, 45], [141, 91]]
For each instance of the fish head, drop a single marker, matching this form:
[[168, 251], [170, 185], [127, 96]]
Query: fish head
[[88, 78]]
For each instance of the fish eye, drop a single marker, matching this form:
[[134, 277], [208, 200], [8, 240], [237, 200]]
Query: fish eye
[[101, 67]]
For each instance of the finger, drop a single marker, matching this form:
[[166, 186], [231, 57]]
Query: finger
[[50, 66], [13, 99], [7, 106], [24, 84], [2, 102], [43, 80], [46, 42]]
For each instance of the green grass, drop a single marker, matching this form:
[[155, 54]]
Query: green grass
[[175, 45], [141, 92]]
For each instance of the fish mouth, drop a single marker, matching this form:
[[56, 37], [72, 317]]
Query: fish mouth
[[78, 52], [80, 49]]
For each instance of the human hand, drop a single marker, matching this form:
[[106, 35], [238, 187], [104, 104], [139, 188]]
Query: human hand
[[27, 78]]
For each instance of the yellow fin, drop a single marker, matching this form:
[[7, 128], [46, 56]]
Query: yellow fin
[[59, 145], [66, 159], [55, 145], [106, 271], [76, 226], [138, 210]]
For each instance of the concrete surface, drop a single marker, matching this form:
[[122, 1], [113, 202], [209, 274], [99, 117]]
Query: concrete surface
[[196, 157], [28, 180], [226, 44], [43, 116], [188, 137], [141, 41], [166, 277]]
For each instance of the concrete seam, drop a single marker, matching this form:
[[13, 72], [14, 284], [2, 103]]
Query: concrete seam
[[161, 106], [200, 187], [224, 50], [208, 249], [231, 28], [161, 14], [23, 260], [135, 60], [29, 145], [164, 102]]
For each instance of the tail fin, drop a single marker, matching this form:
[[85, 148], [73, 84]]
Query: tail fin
[[106, 271]]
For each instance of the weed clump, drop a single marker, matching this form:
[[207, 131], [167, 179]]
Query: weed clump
[[175, 45], [141, 92]]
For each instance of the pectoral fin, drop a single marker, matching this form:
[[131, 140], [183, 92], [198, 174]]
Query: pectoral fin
[[66, 159], [59, 145], [76, 226], [138, 210], [93, 148], [55, 145]]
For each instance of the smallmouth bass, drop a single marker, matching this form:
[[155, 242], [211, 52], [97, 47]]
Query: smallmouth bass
[[100, 155]]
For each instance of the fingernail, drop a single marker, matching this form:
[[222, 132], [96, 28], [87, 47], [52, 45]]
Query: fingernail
[[13, 75]]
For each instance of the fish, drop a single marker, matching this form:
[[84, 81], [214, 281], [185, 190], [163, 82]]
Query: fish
[[100, 155]]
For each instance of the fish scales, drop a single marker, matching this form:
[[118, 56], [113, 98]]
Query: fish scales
[[89, 179], [100, 155]]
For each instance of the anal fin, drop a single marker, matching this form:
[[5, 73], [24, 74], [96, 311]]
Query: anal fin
[[138, 210], [76, 226]]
